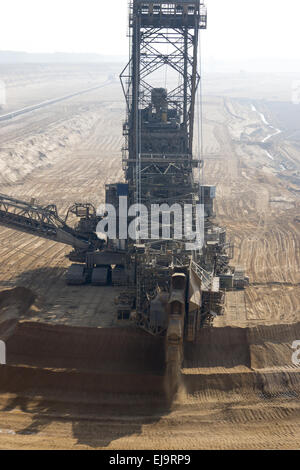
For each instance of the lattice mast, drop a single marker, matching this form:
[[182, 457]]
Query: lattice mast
[[159, 127]]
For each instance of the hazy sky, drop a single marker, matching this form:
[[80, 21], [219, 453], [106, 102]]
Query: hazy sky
[[237, 28]]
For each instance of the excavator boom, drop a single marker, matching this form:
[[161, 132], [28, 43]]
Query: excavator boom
[[40, 221]]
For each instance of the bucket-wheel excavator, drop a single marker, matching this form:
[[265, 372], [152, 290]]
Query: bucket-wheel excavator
[[170, 288]]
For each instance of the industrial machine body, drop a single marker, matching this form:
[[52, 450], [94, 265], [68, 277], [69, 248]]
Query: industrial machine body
[[168, 289]]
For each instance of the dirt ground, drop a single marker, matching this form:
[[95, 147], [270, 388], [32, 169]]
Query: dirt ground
[[73, 379]]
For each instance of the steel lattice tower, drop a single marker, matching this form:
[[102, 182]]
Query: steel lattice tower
[[159, 127]]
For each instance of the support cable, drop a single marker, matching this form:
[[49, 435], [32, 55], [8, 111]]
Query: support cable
[[200, 121]]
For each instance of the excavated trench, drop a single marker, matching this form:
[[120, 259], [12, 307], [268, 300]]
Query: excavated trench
[[13, 305], [52, 359]]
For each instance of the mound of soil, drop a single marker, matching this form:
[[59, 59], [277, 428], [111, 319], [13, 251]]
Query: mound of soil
[[58, 359], [107, 350], [14, 304], [127, 360]]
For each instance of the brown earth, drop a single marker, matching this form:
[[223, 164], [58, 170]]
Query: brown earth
[[75, 380], [237, 391]]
